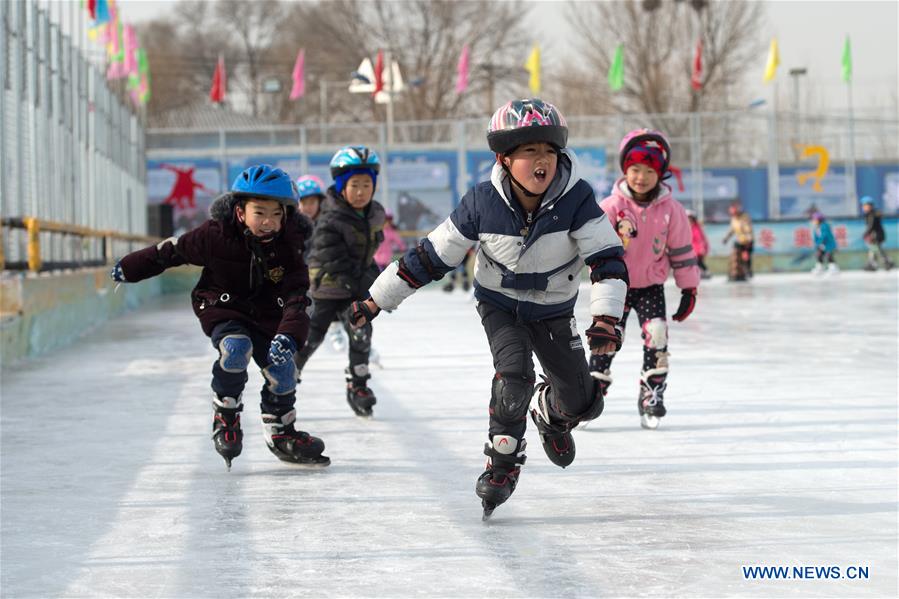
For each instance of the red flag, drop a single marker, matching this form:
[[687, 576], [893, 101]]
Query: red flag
[[379, 73], [217, 93], [696, 78], [92, 9]]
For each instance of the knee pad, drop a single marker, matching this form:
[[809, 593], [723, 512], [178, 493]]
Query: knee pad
[[655, 333], [360, 338], [236, 352], [281, 378], [510, 397]]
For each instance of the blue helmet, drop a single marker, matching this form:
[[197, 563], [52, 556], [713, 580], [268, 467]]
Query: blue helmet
[[867, 200], [266, 183], [351, 158], [310, 185]]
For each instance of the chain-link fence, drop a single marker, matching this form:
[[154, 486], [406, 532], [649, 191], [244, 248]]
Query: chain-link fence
[[70, 151]]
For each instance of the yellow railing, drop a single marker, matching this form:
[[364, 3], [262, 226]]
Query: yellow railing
[[35, 226]]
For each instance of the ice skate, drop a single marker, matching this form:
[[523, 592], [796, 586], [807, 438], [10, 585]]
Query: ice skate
[[337, 337], [650, 402], [291, 445], [555, 437], [226, 433], [833, 269], [818, 269], [505, 456], [359, 396]]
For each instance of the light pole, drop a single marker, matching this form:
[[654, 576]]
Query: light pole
[[323, 98], [796, 74]]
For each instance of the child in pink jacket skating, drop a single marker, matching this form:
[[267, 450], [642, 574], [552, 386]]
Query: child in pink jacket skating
[[656, 235], [392, 243]]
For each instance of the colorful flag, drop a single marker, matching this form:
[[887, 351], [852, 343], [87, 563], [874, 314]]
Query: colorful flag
[[379, 73], [533, 67], [847, 61], [92, 8], [462, 71], [102, 12], [696, 78], [299, 76], [217, 92], [773, 61], [616, 69], [130, 43]]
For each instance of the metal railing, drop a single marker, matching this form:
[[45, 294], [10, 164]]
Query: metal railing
[[71, 151], [88, 247]]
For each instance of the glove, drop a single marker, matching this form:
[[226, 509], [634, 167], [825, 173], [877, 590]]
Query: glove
[[116, 273], [282, 349], [687, 303], [359, 313], [599, 335]]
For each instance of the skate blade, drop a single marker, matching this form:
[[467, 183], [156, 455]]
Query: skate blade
[[649, 422], [309, 465], [488, 510]]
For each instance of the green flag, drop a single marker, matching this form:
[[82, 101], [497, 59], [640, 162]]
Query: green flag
[[616, 70], [847, 61]]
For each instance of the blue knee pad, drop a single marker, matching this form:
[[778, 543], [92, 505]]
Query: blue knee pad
[[282, 378], [236, 352]]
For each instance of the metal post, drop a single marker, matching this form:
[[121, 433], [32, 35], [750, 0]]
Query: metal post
[[384, 177], [773, 168], [223, 160], [304, 149], [461, 162], [323, 107], [850, 164], [696, 164], [4, 37]]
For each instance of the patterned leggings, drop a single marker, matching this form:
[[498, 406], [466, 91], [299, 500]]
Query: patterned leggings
[[649, 303]]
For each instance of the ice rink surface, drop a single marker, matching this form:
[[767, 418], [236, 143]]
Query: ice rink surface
[[779, 449]]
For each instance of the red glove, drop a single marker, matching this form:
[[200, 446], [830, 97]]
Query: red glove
[[599, 336], [687, 303]]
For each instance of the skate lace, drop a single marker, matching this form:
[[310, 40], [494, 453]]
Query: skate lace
[[655, 395]]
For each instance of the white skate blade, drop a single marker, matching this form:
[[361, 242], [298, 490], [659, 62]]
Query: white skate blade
[[649, 422]]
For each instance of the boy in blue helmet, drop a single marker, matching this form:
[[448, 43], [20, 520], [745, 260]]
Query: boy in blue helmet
[[250, 300], [538, 224], [342, 267]]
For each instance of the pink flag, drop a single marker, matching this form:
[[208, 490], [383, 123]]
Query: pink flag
[[462, 71], [299, 76], [130, 48], [696, 77]]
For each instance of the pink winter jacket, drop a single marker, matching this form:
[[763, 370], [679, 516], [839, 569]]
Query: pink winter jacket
[[655, 238], [700, 242], [392, 243]]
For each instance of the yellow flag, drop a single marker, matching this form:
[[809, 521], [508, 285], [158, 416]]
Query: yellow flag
[[533, 67], [773, 61]]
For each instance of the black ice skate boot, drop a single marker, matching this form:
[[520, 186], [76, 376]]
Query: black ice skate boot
[[554, 435], [505, 456], [651, 401], [226, 433], [358, 395], [291, 445]]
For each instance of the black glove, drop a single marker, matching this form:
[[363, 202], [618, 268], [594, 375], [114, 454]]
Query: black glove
[[687, 303], [598, 336], [360, 310]]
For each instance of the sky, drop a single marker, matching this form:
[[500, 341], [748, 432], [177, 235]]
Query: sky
[[810, 34]]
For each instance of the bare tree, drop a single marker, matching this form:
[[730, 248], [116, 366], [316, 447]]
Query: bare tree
[[659, 40], [425, 37]]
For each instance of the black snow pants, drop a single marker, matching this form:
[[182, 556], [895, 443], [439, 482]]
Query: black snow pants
[[560, 350], [324, 312]]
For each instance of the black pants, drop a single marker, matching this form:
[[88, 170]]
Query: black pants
[[560, 350], [325, 312], [231, 384], [649, 303], [824, 256]]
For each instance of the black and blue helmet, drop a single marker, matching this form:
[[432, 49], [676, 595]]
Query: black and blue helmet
[[354, 158], [265, 182]]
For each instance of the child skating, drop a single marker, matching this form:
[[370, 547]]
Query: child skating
[[342, 267], [825, 246], [251, 301], [656, 232], [538, 223]]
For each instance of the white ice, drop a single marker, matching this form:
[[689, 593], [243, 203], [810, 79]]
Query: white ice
[[779, 449]]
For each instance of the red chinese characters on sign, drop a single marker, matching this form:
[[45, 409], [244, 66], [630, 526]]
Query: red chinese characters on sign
[[802, 238], [842, 237], [767, 238]]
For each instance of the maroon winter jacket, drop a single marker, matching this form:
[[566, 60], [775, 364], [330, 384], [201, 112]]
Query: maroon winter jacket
[[263, 285]]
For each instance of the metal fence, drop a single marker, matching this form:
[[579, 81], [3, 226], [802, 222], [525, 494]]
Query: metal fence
[[740, 139], [70, 150]]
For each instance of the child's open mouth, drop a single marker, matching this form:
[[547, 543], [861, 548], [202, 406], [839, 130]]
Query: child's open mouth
[[540, 174]]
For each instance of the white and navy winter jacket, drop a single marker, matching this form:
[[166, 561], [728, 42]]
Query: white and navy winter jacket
[[529, 268]]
